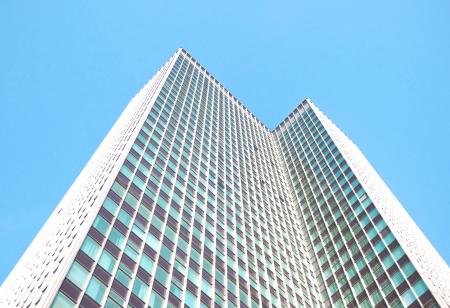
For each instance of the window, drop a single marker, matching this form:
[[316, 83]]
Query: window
[[90, 247], [124, 217], [61, 301], [96, 290], [146, 263], [408, 297], [123, 278], [161, 275], [397, 278], [101, 225], [420, 287], [398, 253], [107, 261], [191, 300], [156, 300], [408, 269], [77, 274], [110, 205], [117, 238], [140, 289]]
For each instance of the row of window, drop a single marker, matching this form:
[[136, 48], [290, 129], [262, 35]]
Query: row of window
[[334, 205], [172, 195]]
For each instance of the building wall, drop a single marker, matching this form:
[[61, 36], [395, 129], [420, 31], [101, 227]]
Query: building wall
[[191, 200], [197, 214], [37, 275], [429, 264], [356, 245]]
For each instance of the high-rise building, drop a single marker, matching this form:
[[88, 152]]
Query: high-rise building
[[191, 200]]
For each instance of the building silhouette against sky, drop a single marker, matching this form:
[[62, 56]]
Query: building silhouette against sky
[[191, 200]]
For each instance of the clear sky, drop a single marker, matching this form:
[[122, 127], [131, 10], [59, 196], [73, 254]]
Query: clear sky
[[379, 69]]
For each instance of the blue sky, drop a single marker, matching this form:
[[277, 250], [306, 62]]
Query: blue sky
[[379, 69]]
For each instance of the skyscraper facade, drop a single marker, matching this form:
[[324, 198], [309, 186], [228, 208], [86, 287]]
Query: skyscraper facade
[[191, 200]]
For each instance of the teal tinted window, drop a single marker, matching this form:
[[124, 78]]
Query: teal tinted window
[[77, 274], [124, 217], [131, 252], [398, 253], [117, 238], [379, 246], [381, 225], [127, 172], [397, 278], [408, 269], [146, 263], [408, 297], [138, 232], [420, 287], [101, 225], [389, 238], [90, 247], [123, 278], [131, 200], [139, 183], [161, 275], [191, 300], [140, 289], [118, 189], [107, 261], [153, 242], [61, 301], [111, 304], [110, 205], [388, 261], [96, 289], [156, 300]]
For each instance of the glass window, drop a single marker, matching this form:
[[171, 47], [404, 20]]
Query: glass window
[[191, 300], [107, 261], [420, 287], [388, 261], [131, 200], [408, 297], [111, 304], [153, 242], [138, 232], [165, 252], [408, 269], [379, 246], [372, 233], [61, 301], [397, 278], [131, 252], [127, 172], [96, 289], [117, 238], [77, 274], [118, 189], [146, 263], [381, 225], [156, 300], [398, 253], [139, 183], [110, 205], [389, 238], [101, 225], [123, 278], [90, 247], [161, 275], [140, 289], [124, 217]]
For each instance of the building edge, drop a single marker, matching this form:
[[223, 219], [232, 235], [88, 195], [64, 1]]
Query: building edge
[[45, 285], [428, 262]]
